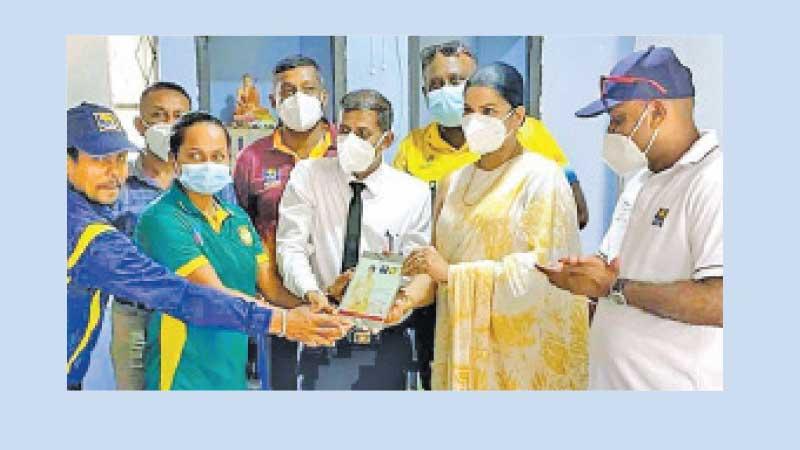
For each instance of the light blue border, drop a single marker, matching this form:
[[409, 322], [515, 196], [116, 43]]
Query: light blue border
[[761, 304]]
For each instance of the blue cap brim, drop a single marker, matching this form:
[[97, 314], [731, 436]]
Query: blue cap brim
[[127, 146], [104, 145], [596, 108]]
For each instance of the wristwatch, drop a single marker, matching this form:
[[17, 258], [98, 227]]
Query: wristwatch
[[617, 295]]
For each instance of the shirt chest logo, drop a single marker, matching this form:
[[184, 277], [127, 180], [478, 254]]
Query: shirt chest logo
[[272, 177], [276, 177], [661, 215], [245, 236]]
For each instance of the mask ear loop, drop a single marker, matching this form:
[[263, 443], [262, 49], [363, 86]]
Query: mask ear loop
[[639, 121], [380, 139], [636, 128], [652, 139], [375, 147], [508, 132]]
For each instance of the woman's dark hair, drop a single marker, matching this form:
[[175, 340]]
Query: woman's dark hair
[[186, 121], [504, 79]]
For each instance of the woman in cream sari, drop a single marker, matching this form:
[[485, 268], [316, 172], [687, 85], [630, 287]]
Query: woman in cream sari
[[500, 323]]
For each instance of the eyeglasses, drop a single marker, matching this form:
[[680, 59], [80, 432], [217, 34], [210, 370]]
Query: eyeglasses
[[621, 79], [452, 48]]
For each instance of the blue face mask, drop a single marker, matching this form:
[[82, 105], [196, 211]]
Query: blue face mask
[[446, 104], [205, 178]]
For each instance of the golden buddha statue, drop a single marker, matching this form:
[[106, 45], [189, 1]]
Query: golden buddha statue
[[248, 104]]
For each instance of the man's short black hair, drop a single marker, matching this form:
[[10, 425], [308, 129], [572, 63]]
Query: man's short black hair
[[293, 62], [450, 48], [72, 152], [165, 85], [186, 121], [370, 100]]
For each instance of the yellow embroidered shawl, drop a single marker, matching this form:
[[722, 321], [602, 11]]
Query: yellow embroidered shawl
[[500, 324]]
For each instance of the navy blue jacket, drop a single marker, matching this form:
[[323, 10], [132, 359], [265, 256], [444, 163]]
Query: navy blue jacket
[[102, 261]]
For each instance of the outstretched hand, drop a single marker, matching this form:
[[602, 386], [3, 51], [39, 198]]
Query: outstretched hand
[[315, 329], [583, 275]]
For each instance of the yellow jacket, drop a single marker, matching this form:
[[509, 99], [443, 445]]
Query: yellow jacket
[[424, 154]]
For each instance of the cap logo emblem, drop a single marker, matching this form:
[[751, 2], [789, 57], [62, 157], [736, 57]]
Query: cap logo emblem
[[107, 121]]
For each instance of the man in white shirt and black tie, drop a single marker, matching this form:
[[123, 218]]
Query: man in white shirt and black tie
[[333, 210]]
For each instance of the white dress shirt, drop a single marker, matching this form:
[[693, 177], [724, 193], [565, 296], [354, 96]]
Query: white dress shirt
[[312, 220], [674, 233]]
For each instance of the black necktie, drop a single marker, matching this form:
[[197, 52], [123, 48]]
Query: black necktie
[[352, 237]]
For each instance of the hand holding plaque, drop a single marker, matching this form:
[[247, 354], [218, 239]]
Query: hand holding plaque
[[372, 291]]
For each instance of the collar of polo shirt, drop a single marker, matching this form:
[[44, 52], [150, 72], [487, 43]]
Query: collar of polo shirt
[[708, 142]]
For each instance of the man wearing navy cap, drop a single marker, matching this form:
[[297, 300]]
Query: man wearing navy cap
[[102, 261], [658, 324]]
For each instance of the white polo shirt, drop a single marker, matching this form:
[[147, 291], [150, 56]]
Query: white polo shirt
[[674, 233], [612, 241]]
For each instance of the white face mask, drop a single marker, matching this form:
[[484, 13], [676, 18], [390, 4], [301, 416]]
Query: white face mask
[[484, 134], [157, 138], [355, 154], [300, 111], [621, 154]]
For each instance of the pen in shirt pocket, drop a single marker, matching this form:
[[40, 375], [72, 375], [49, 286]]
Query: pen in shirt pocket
[[392, 244], [389, 244]]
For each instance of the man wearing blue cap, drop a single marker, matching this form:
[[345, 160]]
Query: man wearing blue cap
[[102, 261], [658, 323]]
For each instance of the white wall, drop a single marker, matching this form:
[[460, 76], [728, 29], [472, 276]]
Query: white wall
[[571, 69], [87, 70], [106, 70], [703, 55]]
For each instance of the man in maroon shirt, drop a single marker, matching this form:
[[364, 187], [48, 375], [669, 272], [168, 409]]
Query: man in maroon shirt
[[262, 170]]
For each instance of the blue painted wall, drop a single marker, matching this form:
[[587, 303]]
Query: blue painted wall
[[231, 57], [571, 69], [177, 59], [381, 63]]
